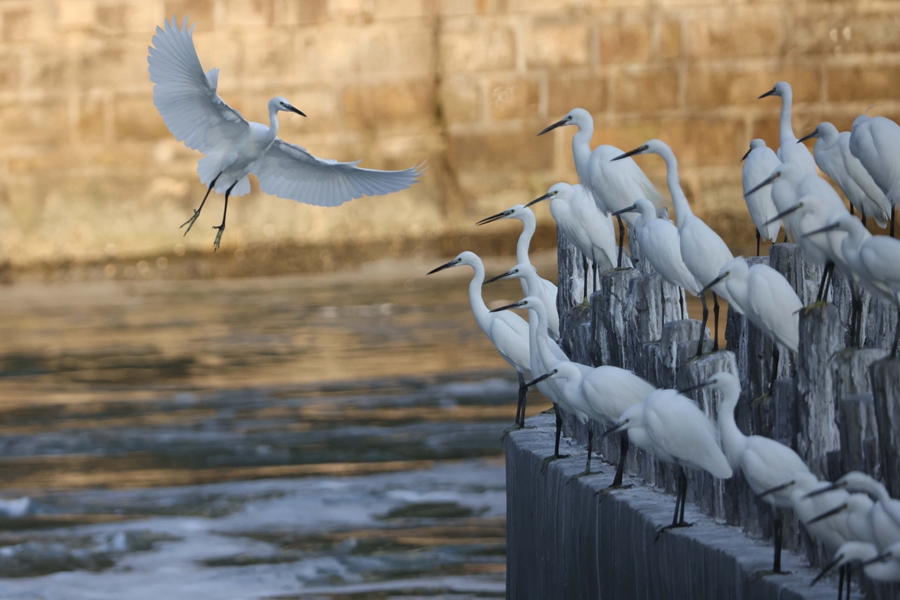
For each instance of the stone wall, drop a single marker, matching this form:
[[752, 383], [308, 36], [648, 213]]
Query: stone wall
[[88, 170]]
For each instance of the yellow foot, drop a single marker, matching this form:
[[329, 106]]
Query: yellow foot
[[190, 222], [814, 305], [549, 411], [611, 488], [668, 527], [584, 473], [761, 574], [509, 430], [764, 398], [218, 237], [549, 460]]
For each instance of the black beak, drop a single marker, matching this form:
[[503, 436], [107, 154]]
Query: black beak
[[632, 208], [452, 263], [769, 93], [831, 227], [777, 489], [493, 218], [827, 514], [546, 196], [559, 123], [746, 154], [815, 133], [613, 430], [637, 150], [823, 490], [765, 182], [694, 387], [827, 568], [507, 307], [540, 379], [715, 281], [295, 110], [501, 276], [880, 558], [784, 214]]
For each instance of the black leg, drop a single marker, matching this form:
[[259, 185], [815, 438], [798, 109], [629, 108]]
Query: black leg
[[896, 336], [558, 432], [848, 570], [776, 567], [190, 222], [852, 212], [681, 301], [520, 406], [705, 318], [865, 221], [621, 241], [678, 496], [716, 320], [892, 220], [595, 270], [784, 240], [757, 242], [773, 375], [221, 227], [823, 285], [590, 445], [585, 267], [620, 468], [856, 317], [683, 498], [841, 582]]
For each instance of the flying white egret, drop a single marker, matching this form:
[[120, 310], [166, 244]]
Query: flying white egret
[[507, 331], [759, 162], [832, 154], [195, 114], [580, 222], [673, 428], [661, 247], [547, 290], [702, 250], [867, 556], [603, 393], [790, 151], [875, 141]]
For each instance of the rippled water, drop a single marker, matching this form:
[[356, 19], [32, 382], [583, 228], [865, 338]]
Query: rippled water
[[293, 437]]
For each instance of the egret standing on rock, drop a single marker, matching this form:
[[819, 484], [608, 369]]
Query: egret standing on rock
[[790, 151], [759, 162], [195, 114]]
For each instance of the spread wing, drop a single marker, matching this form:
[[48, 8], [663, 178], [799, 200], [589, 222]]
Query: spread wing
[[185, 96], [290, 172]]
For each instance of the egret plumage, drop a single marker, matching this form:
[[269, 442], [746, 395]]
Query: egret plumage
[[875, 141], [187, 100], [867, 556], [790, 151], [759, 162]]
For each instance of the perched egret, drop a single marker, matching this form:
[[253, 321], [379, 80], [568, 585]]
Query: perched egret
[[865, 554], [790, 151], [507, 331], [673, 428], [702, 250], [889, 559], [195, 114], [604, 393], [770, 468], [875, 141], [580, 222], [547, 290], [759, 162], [661, 247], [768, 300], [832, 154], [856, 510]]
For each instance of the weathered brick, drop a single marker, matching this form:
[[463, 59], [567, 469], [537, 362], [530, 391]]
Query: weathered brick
[[17, 24], [645, 90], [558, 45], [864, 83], [244, 14], [76, 13], [200, 12], [402, 9], [309, 12], [112, 18], [35, 122], [835, 32], [716, 87], [515, 98], [566, 91], [486, 151], [479, 50], [379, 106], [461, 99], [705, 141], [625, 42], [670, 42], [136, 119], [389, 48], [268, 53], [10, 71], [736, 34], [91, 118]]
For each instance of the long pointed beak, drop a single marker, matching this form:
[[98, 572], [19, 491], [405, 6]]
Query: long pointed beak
[[539, 379], [611, 431], [452, 263], [777, 489], [786, 213], [768, 180], [715, 281], [492, 218], [501, 276], [880, 558], [815, 133], [830, 513], [536, 200], [694, 387], [831, 227], [296, 110], [637, 150], [746, 154], [508, 307], [823, 490], [825, 570], [769, 93], [632, 208], [559, 123]]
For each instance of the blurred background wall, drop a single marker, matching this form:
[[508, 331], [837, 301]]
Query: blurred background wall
[[88, 171]]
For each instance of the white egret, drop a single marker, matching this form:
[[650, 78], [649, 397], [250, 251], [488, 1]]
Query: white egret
[[661, 247], [768, 301], [790, 151], [875, 141], [702, 250], [832, 154], [507, 331], [867, 556], [195, 114], [759, 162], [580, 222], [602, 393], [889, 561], [855, 509], [770, 468], [673, 428], [547, 290]]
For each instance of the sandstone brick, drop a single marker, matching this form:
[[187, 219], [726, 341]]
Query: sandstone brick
[[736, 34], [136, 119], [200, 12], [670, 42], [10, 71], [386, 105], [402, 9], [558, 45], [835, 32], [461, 99], [865, 83], [714, 88], [17, 24], [307, 12], [112, 18], [625, 42], [76, 13], [244, 14], [91, 119], [705, 141], [268, 53], [487, 151], [35, 122], [566, 91], [479, 50], [121, 62], [512, 98], [646, 90]]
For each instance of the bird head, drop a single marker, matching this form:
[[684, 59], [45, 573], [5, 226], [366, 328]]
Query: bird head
[[559, 190], [513, 212], [519, 271], [577, 116], [280, 103], [651, 147], [464, 258], [781, 89]]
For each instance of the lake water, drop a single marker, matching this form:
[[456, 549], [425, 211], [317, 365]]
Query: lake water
[[333, 436]]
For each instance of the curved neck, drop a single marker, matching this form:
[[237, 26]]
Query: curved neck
[[581, 151], [679, 200], [273, 122], [733, 440], [479, 308], [529, 225], [786, 131]]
